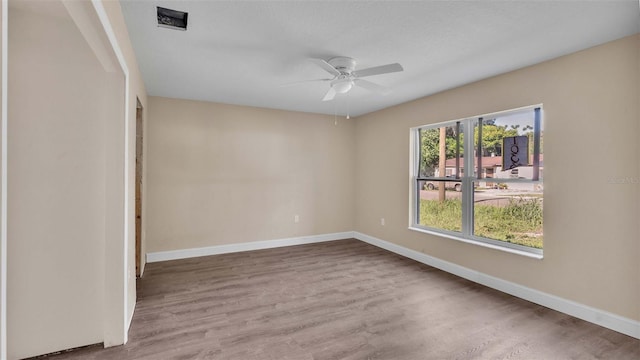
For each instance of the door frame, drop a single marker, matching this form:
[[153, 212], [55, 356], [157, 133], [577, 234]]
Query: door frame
[[139, 186]]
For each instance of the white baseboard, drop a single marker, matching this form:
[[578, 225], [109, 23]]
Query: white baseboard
[[256, 245], [603, 318]]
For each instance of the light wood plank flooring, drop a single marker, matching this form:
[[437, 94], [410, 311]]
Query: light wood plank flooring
[[341, 300]]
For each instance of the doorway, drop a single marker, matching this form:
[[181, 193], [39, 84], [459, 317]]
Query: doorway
[[139, 161]]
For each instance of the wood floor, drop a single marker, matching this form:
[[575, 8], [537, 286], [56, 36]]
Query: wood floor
[[341, 300]]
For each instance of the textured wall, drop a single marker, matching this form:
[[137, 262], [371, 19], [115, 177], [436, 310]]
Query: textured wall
[[591, 127]]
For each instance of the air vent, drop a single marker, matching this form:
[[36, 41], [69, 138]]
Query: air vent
[[172, 19]]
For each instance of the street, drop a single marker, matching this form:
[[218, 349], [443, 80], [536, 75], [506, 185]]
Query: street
[[489, 196]]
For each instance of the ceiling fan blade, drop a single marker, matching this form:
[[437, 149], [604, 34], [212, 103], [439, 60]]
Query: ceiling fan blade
[[302, 82], [330, 94], [378, 70], [372, 86], [326, 66]]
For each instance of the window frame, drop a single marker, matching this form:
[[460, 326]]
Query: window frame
[[468, 126]]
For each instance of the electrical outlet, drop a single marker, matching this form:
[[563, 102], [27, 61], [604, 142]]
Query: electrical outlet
[[296, 219], [382, 221]]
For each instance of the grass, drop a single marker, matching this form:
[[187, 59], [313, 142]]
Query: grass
[[445, 215], [519, 222]]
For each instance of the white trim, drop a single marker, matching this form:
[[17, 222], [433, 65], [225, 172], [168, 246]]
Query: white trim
[[486, 244], [247, 246], [104, 19], [128, 324], [3, 186], [599, 317]]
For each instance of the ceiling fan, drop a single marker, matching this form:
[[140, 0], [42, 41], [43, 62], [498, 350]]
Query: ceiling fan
[[345, 76]]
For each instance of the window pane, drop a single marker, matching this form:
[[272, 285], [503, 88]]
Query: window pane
[[440, 209], [510, 212], [439, 159], [507, 146]]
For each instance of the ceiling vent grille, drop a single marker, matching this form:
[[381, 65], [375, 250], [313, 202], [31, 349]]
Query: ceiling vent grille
[[172, 19]]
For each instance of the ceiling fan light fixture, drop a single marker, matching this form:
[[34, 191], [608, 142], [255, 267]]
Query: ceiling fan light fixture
[[342, 87]]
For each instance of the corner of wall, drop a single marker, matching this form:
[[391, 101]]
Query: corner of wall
[[3, 179]]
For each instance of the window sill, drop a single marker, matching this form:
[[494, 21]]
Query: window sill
[[479, 243]]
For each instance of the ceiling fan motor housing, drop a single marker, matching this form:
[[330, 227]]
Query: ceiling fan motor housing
[[343, 64]]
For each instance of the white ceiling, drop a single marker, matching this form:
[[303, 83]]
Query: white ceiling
[[241, 52]]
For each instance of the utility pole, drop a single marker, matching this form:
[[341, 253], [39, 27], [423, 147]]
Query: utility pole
[[441, 163]]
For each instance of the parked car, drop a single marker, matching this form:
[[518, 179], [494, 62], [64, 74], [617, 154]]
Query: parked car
[[432, 185]]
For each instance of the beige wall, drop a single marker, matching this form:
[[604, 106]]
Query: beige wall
[[223, 174], [592, 124], [87, 188], [56, 181], [67, 195]]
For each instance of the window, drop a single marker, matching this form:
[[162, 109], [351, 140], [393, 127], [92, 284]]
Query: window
[[500, 200]]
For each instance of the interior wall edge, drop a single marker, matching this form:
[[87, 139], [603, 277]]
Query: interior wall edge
[[3, 186], [83, 16], [135, 87], [117, 337]]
